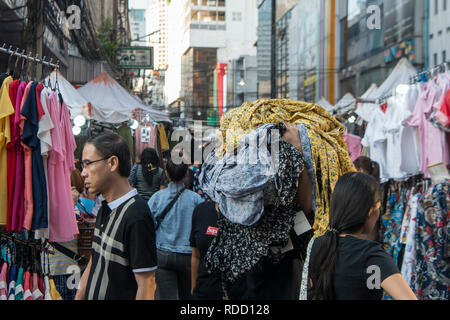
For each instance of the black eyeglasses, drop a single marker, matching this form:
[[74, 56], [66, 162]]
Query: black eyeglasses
[[87, 163]]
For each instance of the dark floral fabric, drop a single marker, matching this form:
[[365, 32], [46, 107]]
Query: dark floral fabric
[[432, 280], [238, 248], [196, 184], [391, 223]]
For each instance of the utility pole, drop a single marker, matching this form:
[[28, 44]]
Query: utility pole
[[102, 8], [114, 26], [273, 69], [40, 38]]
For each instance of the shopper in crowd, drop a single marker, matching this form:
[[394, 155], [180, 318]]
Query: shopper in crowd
[[342, 265], [171, 210], [147, 176], [206, 286], [123, 262], [366, 165]]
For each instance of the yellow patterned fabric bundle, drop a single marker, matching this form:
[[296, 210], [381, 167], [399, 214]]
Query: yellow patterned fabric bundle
[[326, 134]]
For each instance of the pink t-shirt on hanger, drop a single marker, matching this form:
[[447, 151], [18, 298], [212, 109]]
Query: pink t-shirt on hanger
[[433, 148], [62, 216], [17, 215], [145, 138], [354, 146], [28, 168]]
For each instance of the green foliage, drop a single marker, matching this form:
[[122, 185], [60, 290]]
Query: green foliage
[[106, 36]]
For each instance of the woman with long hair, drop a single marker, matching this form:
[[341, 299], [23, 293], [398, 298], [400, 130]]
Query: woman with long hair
[[148, 177], [343, 265]]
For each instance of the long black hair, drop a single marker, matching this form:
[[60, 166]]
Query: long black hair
[[353, 197], [150, 164]]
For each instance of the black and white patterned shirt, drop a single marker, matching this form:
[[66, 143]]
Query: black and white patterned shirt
[[124, 244]]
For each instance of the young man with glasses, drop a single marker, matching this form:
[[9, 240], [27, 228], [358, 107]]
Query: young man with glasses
[[123, 262]]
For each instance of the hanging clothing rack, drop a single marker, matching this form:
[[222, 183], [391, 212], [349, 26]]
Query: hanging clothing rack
[[29, 57], [38, 247], [443, 67]]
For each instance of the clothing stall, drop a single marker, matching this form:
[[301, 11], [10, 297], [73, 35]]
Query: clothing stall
[[36, 159], [113, 108], [406, 131]]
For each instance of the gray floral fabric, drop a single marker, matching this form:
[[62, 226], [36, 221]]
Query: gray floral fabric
[[239, 248], [306, 146], [243, 183]]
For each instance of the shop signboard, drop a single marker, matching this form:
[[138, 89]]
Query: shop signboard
[[135, 57]]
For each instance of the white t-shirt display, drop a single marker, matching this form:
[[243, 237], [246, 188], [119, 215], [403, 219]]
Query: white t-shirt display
[[403, 156], [375, 140]]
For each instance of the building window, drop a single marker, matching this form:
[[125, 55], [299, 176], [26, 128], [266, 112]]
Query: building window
[[435, 59], [444, 56], [206, 16], [436, 6], [237, 16], [445, 5]]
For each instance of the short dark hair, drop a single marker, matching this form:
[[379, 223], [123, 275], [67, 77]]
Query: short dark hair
[[109, 145], [368, 166], [176, 172]]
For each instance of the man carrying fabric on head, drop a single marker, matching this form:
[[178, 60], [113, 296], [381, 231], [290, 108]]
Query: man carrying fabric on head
[[123, 262]]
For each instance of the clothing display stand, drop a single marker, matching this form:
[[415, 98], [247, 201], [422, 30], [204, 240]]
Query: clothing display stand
[[10, 51], [39, 247]]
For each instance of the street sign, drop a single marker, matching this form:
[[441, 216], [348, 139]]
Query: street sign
[[135, 57]]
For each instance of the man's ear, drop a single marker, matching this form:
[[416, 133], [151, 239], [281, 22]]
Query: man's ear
[[114, 162]]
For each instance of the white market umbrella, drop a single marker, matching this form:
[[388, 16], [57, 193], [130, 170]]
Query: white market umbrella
[[114, 104], [76, 103]]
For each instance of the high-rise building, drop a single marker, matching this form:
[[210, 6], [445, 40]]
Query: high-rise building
[[205, 36], [159, 24], [264, 48], [439, 32], [138, 27], [371, 49]]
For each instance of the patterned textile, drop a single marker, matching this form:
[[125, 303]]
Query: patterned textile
[[61, 287], [243, 184], [238, 248], [309, 162], [432, 230], [326, 134], [391, 223], [409, 259], [196, 184]]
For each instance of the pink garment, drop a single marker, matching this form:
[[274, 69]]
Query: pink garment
[[443, 114], [37, 294], [354, 146], [27, 286], [3, 283], [19, 178], [433, 148], [140, 146], [28, 165], [63, 225]]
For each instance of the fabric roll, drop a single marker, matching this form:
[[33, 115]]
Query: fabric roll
[[326, 134]]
